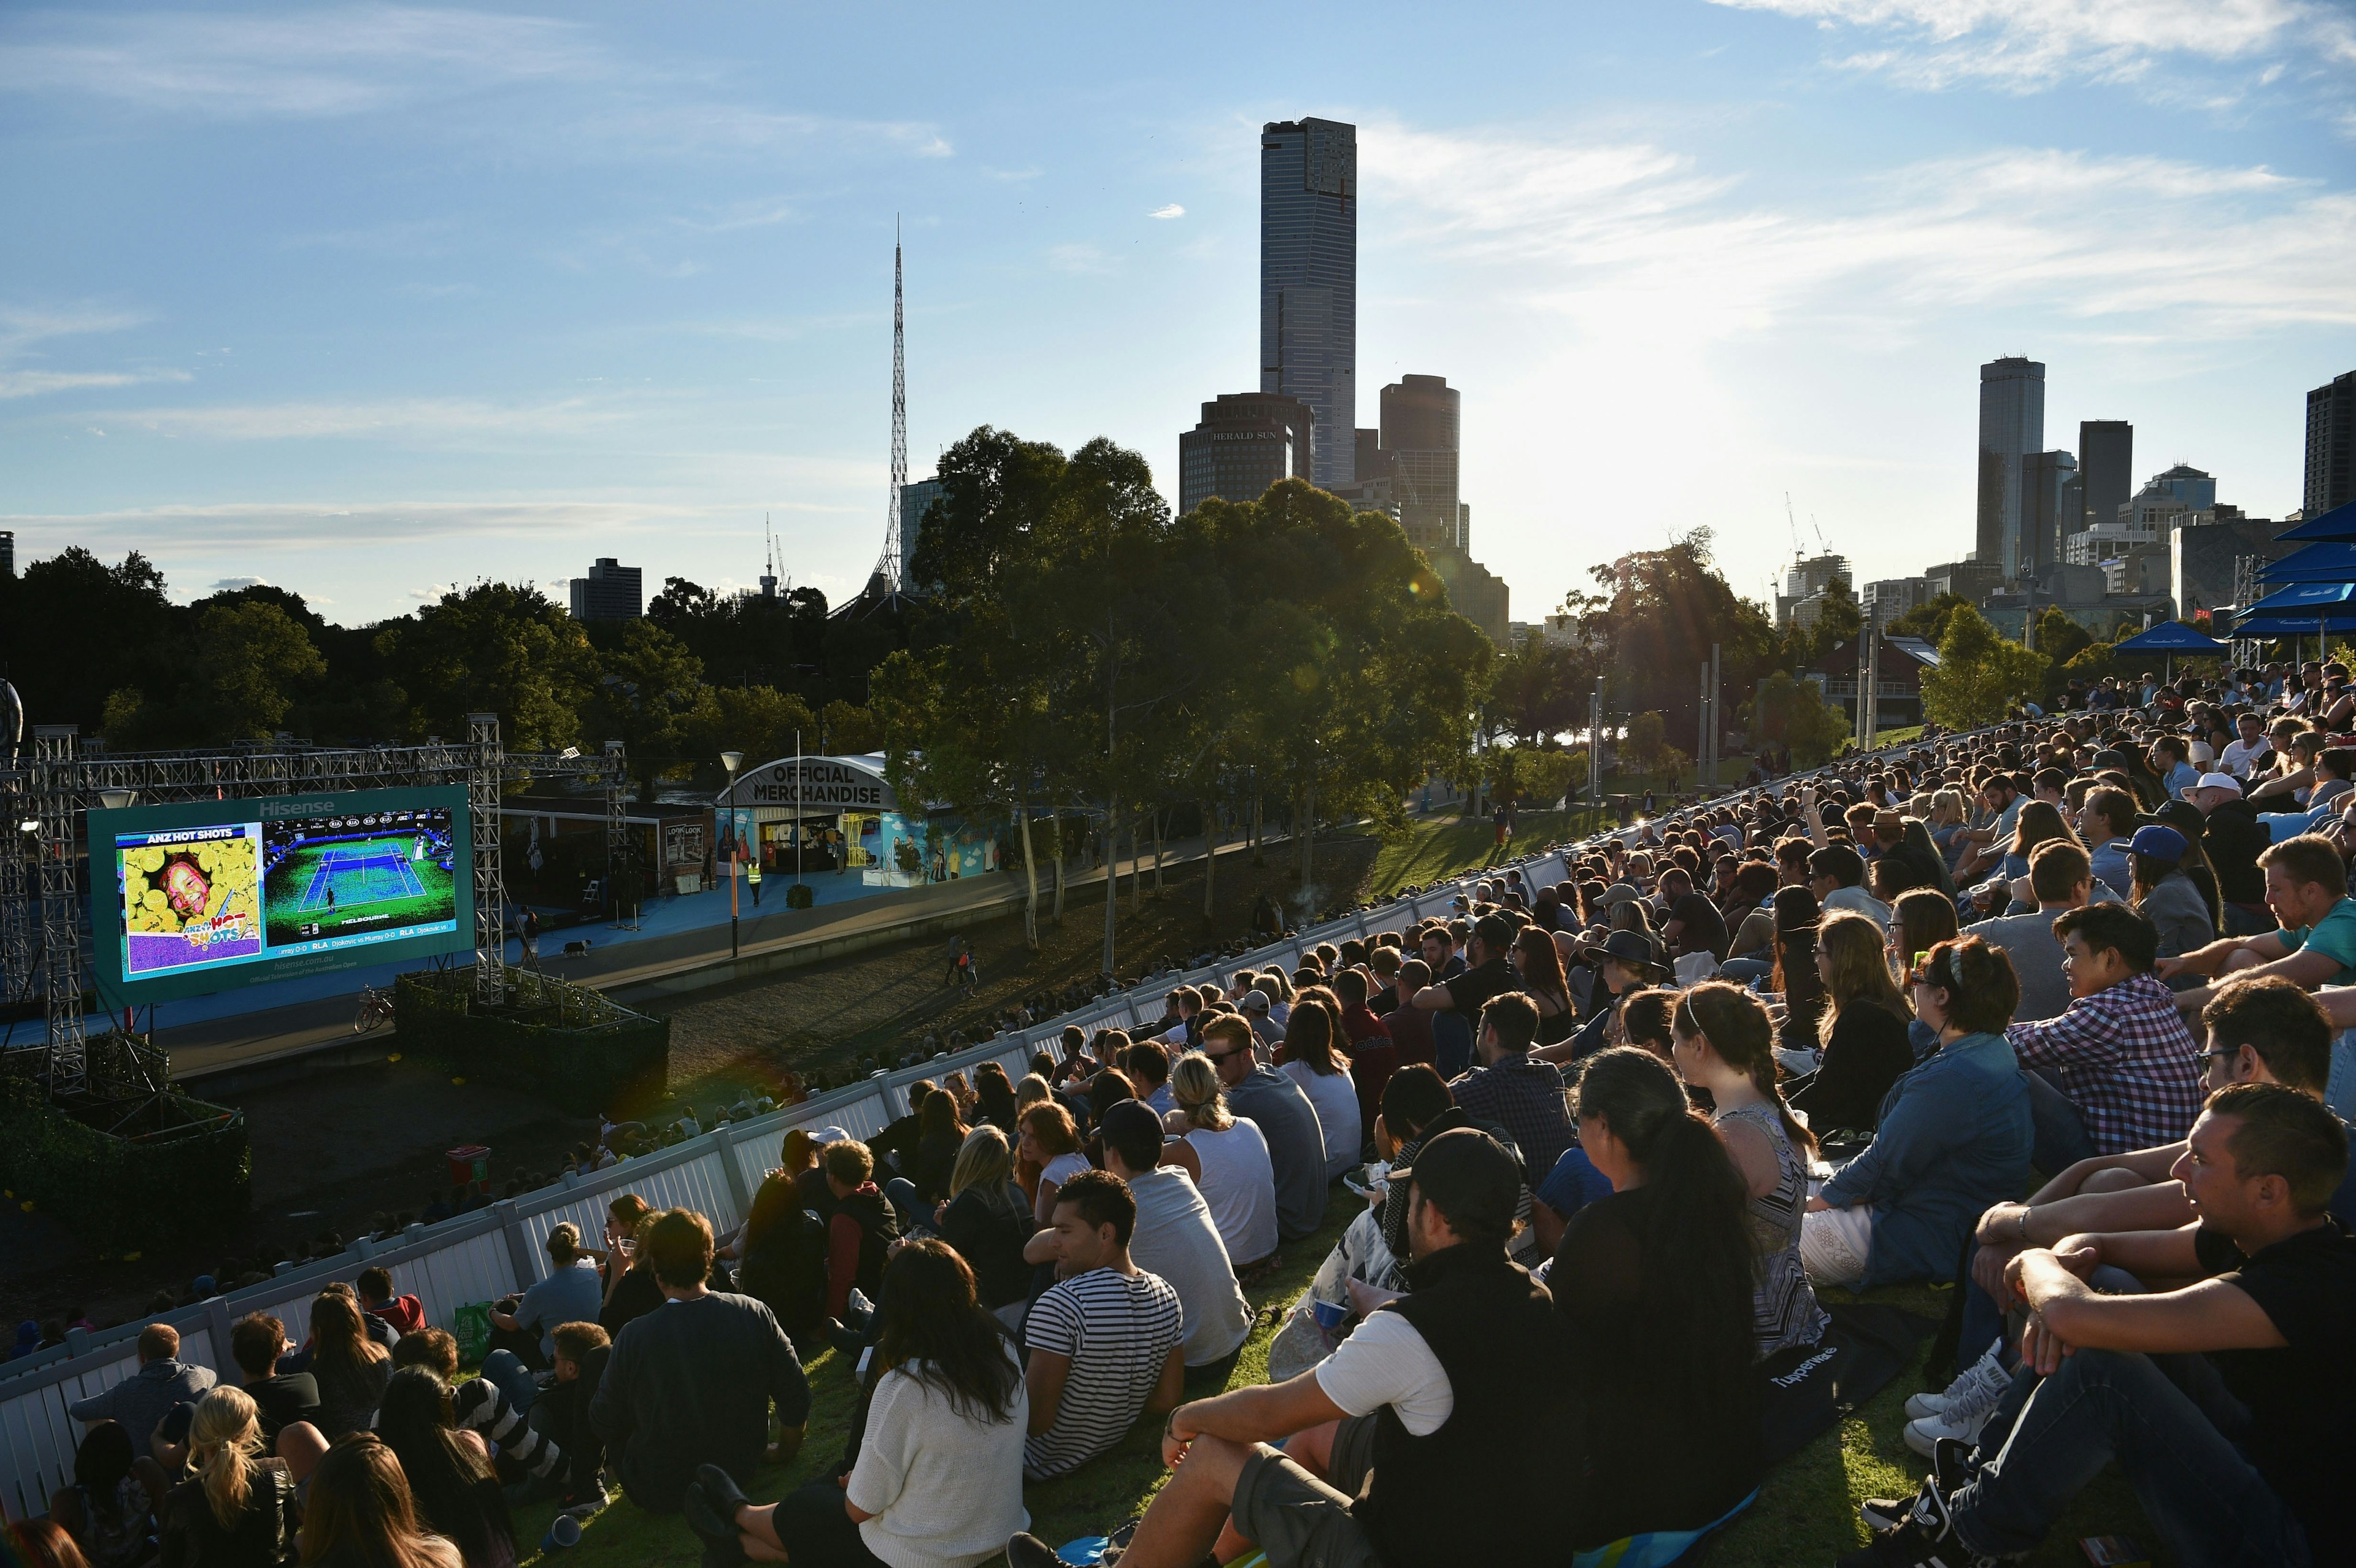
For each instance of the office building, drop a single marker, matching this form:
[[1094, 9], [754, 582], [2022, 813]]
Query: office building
[[1966, 578], [1885, 599], [2012, 426], [1475, 592], [1422, 424], [2105, 471], [2212, 565], [1806, 579], [610, 592], [913, 499], [1309, 282], [2330, 445], [2049, 493], [7, 552], [1246, 442]]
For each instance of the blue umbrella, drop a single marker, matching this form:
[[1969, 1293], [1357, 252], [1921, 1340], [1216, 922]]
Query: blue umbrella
[[2338, 524], [2309, 599], [2171, 638], [2332, 560]]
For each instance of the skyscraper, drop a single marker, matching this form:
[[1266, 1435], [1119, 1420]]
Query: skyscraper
[[610, 592], [1309, 282], [2012, 425], [2331, 444], [2107, 471], [1246, 442], [2048, 482], [1422, 431]]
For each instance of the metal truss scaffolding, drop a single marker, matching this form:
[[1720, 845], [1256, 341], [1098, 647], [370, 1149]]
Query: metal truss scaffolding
[[43, 884]]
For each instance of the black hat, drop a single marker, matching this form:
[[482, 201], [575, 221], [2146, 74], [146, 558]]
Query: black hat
[[1468, 1175], [1634, 949]]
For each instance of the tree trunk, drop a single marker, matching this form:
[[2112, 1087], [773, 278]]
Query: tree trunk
[[1061, 856], [1307, 828], [1157, 854], [1112, 879], [1136, 872], [1210, 866], [1259, 836], [1030, 878]]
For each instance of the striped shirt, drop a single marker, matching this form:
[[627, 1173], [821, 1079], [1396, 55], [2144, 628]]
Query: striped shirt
[[2125, 1059], [1118, 1329]]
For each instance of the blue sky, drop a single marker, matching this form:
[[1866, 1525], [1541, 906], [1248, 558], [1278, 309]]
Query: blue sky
[[365, 301]]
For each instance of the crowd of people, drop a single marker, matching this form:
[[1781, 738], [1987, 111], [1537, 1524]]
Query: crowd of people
[[2048, 1013]]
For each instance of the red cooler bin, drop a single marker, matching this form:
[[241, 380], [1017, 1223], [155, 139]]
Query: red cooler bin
[[470, 1167]]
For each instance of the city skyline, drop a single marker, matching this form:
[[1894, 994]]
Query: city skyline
[[366, 303]]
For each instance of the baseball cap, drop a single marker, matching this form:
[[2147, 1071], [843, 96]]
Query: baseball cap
[[2219, 781], [1468, 1175], [2203, 754], [1257, 1000], [829, 1134], [2159, 841]]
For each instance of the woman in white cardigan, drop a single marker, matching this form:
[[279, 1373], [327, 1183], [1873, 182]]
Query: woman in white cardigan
[[938, 1480]]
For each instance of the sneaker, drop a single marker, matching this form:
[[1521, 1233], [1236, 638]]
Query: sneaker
[[1988, 1371], [1951, 1468], [1961, 1423], [1026, 1550], [1924, 1537], [712, 1500]]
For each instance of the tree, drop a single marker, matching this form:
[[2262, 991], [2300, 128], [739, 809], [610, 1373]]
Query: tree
[[1927, 621], [1646, 741], [1654, 625], [1837, 620], [252, 659], [1979, 675], [1794, 714], [849, 730], [1537, 689], [647, 689], [499, 648], [759, 721], [77, 630]]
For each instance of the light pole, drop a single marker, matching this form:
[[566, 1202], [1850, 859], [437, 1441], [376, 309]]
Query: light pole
[[732, 760]]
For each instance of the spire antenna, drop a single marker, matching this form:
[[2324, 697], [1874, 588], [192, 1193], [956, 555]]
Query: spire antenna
[[887, 565]]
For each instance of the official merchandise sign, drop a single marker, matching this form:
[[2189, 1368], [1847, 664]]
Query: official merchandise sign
[[816, 785], [208, 896]]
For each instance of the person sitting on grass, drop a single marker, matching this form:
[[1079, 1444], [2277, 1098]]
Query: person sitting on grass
[[379, 1299], [1656, 1289], [145, 1398], [692, 1382], [359, 1510], [1508, 1087], [1392, 1449], [1175, 1239], [2306, 890], [2115, 1071], [1953, 1137], [280, 1399], [448, 1466], [2224, 1402], [1286, 1119], [939, 1479], [861, 1231], [526, 1334], [1228, 1161], [110, 1506], [1106, 1341], [1863, 1028], [532, 1447], [1312, 1055], [237, 1506]]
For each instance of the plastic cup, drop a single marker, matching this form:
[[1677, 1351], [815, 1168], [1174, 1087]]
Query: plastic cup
[[1330, 1315], [563, 1531]]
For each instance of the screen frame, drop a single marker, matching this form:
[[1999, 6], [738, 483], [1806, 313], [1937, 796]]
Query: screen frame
[[107, 938]]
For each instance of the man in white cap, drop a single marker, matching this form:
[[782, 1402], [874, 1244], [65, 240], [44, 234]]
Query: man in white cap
[[2232, 839]]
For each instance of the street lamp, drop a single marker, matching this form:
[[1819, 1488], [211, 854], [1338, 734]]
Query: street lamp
[[116, 799], [732, 760]]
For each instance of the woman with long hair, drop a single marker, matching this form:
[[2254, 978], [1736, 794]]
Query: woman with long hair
[[1228, 1158], [1538, 966], [994, 1097], [1051, 1142], [1725, 1042], [1311, 1055], [987, 1219], [41, 1543], [1916, 838], [1655, 1285], [358, 1512], [2038, 822], [349, 1367], [110, 1507], [2162, 893], [630, 1289], [450, 1475], [938, 1476], [238, 1509], [1862, 1035], [1795, 978], [1948, 817], [940, 1133]]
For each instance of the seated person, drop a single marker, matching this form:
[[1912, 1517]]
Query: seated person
[[280, 1399], [477, 1405], [1391, 1452], [1574, 1182], [1148, 1066], [378, 1300], [862, 1229], [1863, 1028], [1275, 1104], [2306, 889], [1312, 1054], [1955, 1136], [2225, 1401], [938, 1476], [145, 1398], [1512, 1089], [2059, 881], [986, 1220], [570, 1291], [1106, 1341], [1655, 1289], [1173, 1238], [2115, 1071], [1228, 1161], [109, 1508], [692, 1382], [1417, 1107]]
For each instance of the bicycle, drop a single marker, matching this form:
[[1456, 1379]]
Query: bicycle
[[376, 1009]]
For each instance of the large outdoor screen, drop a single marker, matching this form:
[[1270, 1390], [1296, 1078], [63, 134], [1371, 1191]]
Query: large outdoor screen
[[211, 895]]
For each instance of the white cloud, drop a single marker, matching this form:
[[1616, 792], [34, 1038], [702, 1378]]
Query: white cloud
[[24, 328], [231, 584], [2023, 45], [447, 421], [33, 383], [300, 63], [1171, 211]]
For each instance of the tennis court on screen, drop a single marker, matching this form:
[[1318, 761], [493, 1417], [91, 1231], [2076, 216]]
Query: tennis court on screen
[[362, 874]]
